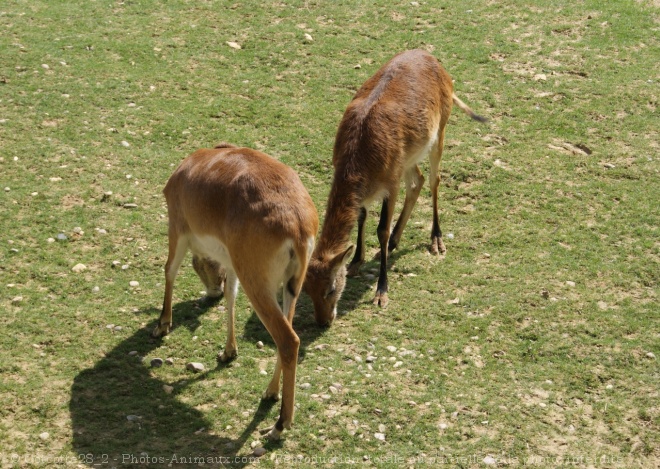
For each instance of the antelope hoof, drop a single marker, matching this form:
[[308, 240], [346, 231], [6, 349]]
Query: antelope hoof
[[227, 355], [381, 299], [271, 395], [271, 434], [161, 330], [354, 269], [437, 246]]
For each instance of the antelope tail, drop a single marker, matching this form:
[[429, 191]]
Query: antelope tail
[[467, 109]]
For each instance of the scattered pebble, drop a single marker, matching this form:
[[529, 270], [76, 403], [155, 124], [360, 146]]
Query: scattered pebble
[[101, 231], [168, 389], [16, 300], [195, 366], [44, 436], [490, 461], [124, 267], [78, 230], [609, 165], [157, 362], [258, 452], [130, 205], [443, 426], [61, 237], [650, 355], [124, 143], [391, 348], [570, 283], [169, 361], [234, 45], [370, 359], [110, 326], [79, 268], [50, 240], [609, 386], [7, 189], [260, 345], [133, 418], [132, 353], [357, 67], [134, 283], [309, 38], [450, 235], [118, 328], [305, 386], [379, 436]]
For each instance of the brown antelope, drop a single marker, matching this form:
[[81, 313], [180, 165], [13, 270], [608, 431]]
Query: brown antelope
[[394, 121], [247, 218]]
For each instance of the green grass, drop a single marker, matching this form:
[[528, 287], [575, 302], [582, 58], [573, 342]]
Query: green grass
[[497, 355]]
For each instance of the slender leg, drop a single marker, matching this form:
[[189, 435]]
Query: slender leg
[[289, 299], [178, 246], [287, 343], [414, 183], [231, 290], [383, 238], [358, 258], [437, 246]]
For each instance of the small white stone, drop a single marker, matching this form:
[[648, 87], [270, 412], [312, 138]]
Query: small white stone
[[124, 143], [450, 235], [391, 348], [609, 386], [305, 386], [443, 426], [50, 240], [490, 461], [570, 283], [79, 268], [195, 366], [16, 300], [308, 37], [379, 436], [44, 436], [96, 290], [650, 355], [45, 66], [134, 283], [260, 345]]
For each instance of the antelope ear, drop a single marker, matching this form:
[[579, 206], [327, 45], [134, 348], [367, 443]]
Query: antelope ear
[[341, 259]]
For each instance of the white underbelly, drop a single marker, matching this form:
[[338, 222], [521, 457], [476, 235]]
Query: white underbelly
[[212, 248]]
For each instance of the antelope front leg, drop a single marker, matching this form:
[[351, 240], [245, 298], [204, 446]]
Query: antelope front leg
[[358, 259], [231, 290], [177, 250]]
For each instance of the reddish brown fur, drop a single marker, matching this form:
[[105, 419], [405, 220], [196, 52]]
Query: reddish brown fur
[[243, 211], [394, 119]]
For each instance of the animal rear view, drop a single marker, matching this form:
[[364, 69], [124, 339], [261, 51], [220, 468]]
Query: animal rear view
[[395, 120], [243, 212]]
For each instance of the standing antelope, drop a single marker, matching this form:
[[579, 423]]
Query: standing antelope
[[247, 212], [395, 120]]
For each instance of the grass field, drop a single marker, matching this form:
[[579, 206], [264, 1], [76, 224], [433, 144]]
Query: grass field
[[533, 342]]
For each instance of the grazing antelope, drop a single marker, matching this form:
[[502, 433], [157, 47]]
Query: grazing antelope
[[395, 120], [247, 212]]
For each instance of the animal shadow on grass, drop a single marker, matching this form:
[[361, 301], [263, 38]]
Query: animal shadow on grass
[[121, 414]]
